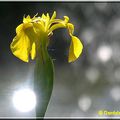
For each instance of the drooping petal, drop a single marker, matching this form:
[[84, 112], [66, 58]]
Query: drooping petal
[[20, 47], [23, 43], [75, 49]]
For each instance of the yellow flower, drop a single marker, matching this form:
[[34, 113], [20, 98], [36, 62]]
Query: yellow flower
[[31, 33]]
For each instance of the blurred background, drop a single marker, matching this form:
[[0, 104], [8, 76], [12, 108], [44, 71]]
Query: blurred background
[[82, 88]]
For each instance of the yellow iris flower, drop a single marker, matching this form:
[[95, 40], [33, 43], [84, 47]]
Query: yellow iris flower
[[30, 33]]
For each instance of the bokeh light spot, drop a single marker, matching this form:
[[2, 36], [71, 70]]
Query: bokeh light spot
[[92, 74], [24, 100], [104, 53], [84, 103], [115, 93]]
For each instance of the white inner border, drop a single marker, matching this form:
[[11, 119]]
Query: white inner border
[[62, 0]]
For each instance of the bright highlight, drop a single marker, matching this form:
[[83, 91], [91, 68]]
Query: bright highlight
[[24, 100]]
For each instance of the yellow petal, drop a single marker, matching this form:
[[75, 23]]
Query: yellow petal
[[43, 16], [56, 26], [19, 29], [70, 28], [34, 16], [38, 28], [20, 47], [48, 17], [23, 26], [27, 19], [75, 49], [58, 23], [53, 16], [33, 51], [66, 19]]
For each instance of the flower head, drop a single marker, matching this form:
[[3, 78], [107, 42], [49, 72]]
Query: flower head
[[30, 36]]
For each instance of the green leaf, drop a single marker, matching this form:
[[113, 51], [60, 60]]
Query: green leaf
[[43, 81]]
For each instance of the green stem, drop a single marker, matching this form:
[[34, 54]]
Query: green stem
[[43, 80]]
